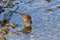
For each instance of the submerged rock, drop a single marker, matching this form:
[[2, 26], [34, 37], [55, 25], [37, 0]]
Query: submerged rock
[[13, 25], [11, 0], [49, 9], [48, 1], [2, 0], [58, 6], [6, 18], [2, 38], [0, 23], [4, 30], [1, 9], [10, 5], [6, 25]]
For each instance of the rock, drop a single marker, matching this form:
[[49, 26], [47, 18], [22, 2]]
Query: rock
[[0, 0], [2, 38], [10, 5], [48, 1], [5, 30], [1, 9], [58, 6], [13, 33], [4, 0], [49, 9], [13, 25], [6, 25]]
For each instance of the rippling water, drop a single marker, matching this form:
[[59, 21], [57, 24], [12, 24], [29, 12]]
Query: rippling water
[[46, 23]]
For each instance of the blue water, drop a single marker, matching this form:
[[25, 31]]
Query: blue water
[[46, 24]]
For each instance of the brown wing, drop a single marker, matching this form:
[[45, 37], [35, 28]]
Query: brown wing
[[30, 19], [27, 30]]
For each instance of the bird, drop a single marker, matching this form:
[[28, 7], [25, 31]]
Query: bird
[[27, 23], [26, 19]]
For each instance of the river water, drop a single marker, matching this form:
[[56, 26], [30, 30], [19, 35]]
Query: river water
[[45, 17]]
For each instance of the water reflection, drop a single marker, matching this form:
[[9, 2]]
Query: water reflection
[[42, 12]]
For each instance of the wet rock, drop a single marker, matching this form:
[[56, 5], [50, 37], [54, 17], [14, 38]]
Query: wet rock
[[2, 38], [6, 25], [58, 6], [48, 1], [30, 1], [5, 21], [0, 23], [11, 0], [1, 9], [49, 9], [2, 0], [6, 18], [13, 25], [14, 33], [10, 5], [4, 30]]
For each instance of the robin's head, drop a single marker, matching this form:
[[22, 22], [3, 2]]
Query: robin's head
[[24, 16]]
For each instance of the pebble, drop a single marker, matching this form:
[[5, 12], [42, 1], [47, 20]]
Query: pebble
[[58, 6], [13, 25], [48, 1], [2, 38], [6, 25], [4, 30], [1, 9]]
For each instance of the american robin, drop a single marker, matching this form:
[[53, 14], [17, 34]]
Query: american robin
[[26, 19]]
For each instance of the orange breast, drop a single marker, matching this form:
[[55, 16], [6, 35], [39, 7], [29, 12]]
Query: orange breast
[[25, 19]]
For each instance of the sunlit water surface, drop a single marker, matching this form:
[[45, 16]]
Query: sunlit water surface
[[46, 24]]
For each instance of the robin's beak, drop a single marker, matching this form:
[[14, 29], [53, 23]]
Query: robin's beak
[[18, 13], [22, 15]]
